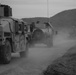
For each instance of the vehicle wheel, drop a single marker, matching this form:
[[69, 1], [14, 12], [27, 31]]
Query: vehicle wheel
[[38, 34], [5, 54], [24, 53]]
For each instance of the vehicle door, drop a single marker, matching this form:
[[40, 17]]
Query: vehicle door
[[17, 36]]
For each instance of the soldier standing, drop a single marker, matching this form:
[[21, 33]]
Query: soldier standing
[[32, 26]]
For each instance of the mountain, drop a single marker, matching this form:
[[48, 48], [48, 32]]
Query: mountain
[[65, 19], [35, 19]]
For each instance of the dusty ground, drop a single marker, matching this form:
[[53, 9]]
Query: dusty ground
[[39, 57]]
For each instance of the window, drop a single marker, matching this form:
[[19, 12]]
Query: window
[[16, 27]]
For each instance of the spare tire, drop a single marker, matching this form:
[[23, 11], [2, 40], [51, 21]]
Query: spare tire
[[38, 34]]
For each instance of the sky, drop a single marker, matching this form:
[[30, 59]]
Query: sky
[[38, 8]]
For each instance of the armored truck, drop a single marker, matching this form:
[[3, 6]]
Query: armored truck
[[43, 32], [12, 35]]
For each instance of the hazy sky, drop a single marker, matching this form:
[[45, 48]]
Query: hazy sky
[[38, 8]]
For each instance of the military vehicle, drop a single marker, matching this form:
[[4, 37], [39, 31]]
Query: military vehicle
[[40, 32], [12, 35], [43, 32]]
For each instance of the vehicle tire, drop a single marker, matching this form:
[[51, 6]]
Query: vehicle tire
[[5, 53], [24, 53], [38, 34]]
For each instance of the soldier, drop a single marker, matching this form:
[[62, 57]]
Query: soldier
[[32, 26]]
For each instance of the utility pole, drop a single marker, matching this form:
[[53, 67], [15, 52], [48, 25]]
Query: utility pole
[[48, 10], [0, 16]]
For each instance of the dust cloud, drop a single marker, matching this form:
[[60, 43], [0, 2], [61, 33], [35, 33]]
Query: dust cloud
[[60, 38], [40, 53]]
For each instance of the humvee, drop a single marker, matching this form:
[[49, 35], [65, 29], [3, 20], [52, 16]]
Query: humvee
[[44, 32], [12, 35]]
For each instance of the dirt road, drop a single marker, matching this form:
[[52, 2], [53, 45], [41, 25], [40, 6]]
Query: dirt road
[[39, 57]]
